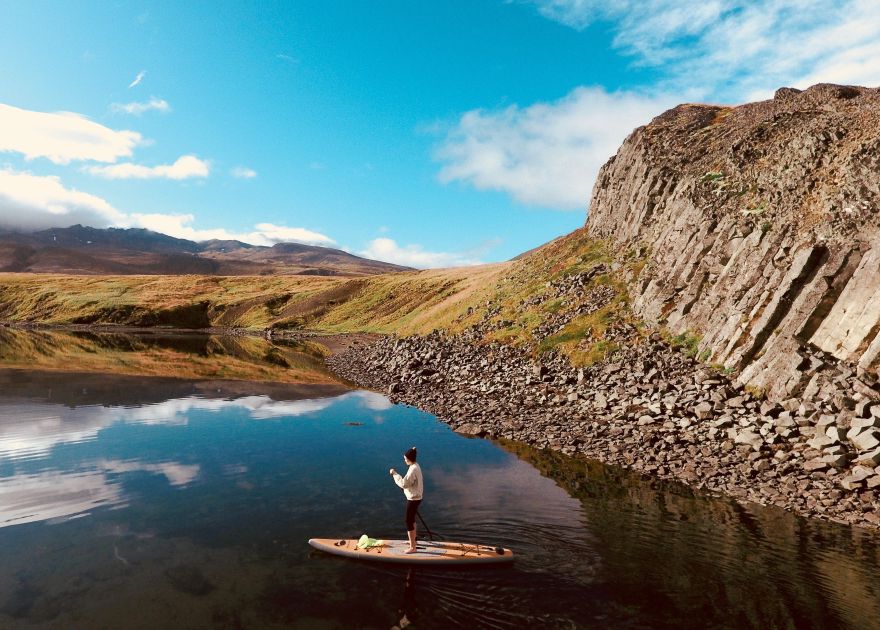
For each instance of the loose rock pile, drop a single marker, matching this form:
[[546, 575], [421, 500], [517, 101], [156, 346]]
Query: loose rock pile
[[595, 299], [650, 408]]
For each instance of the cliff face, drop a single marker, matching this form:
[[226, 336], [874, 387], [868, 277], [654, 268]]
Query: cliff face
[[762, 229]]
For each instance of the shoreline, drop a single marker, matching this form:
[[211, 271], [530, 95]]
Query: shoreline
[[333, 342], [650, 409]]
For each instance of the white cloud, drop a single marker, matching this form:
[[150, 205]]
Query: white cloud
[[388, 250], [35, 202], [243, 172], [546, 154], [185, 167], [136, 109], [271, 234], [267, 234], [137, 80], [739, 49], [62, 137]]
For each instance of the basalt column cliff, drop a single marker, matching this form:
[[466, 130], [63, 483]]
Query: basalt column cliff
[[762, 232]]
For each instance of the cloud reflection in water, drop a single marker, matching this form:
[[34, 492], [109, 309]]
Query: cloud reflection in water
[[30, 431]]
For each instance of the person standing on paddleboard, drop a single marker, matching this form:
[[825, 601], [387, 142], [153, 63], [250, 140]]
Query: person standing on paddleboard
[[413, 489]]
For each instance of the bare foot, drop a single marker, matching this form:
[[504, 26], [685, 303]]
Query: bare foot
[[411, 550]]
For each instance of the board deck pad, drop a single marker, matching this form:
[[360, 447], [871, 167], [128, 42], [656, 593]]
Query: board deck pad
[[436, 553]]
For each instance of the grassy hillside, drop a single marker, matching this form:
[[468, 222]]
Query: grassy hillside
[[513, 302]]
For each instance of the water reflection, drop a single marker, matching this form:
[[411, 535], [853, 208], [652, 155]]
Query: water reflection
[[32, 430], [36, 486], [684, 555], [165, 353], [51, 495]]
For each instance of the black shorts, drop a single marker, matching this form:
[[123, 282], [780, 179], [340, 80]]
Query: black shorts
[[411, 507]]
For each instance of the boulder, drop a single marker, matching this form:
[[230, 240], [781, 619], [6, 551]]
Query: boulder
[[770, 409], [867, 440], [837, 460], [863, 423], [863, 408], [703, 411], [816, 465], [854, 432], [825, 421], [750, 438], [870, 458], [819, 442], [834, 433], [806, 409], [861, 472], [851, 483], [471, 428], [784, 420]]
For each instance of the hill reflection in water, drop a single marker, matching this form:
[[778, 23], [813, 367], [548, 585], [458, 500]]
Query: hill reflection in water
[[165, 353]]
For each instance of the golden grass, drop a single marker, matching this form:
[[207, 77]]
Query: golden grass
[[402, 303]]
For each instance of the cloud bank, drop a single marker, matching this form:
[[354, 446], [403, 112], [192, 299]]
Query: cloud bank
[[739, 50], [546, 154], [62, 137], [35, 202]]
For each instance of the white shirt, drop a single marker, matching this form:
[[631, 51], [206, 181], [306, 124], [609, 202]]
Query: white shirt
[[411, 483]]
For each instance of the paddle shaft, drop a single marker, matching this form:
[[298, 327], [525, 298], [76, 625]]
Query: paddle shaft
[[430, 533]]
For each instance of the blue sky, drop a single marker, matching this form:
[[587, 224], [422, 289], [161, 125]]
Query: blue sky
[[425, 133]]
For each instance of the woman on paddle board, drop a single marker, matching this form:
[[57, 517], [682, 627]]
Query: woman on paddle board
[[412, 489]]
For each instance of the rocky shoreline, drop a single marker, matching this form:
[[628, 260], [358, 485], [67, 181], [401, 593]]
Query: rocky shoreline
[[651, 408]]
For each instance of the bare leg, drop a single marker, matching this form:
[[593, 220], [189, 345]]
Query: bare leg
[[412, 540]]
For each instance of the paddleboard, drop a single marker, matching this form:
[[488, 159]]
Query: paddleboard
[[434, 553]]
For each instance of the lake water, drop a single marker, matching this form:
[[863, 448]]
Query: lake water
[[129, 502]]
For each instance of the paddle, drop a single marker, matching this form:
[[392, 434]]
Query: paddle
[[430, 533]]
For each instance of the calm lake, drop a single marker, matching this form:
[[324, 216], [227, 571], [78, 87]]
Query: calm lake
[[149, 502]]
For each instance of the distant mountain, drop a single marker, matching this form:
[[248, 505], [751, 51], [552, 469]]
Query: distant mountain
[[86, 250]]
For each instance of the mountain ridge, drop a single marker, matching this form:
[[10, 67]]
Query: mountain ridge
[[84, 250]]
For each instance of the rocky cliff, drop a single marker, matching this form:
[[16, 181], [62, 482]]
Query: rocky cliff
[[762, 232]]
